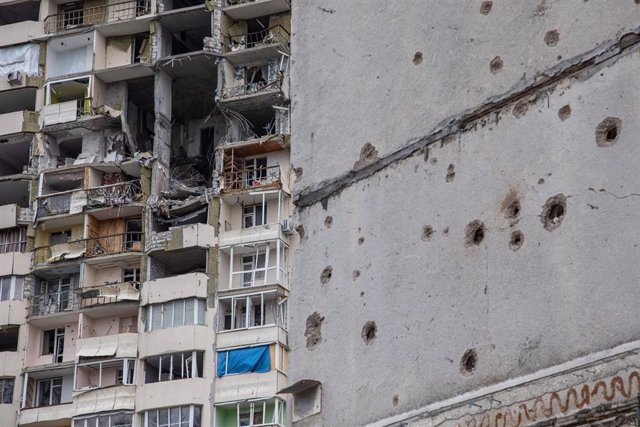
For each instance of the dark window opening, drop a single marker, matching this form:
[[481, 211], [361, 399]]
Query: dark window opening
[[9, 337], [20, 12]]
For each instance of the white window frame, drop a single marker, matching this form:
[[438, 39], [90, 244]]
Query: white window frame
[[51, 387], [88, 419], [11, 282], [191, 408], [251, 211], [165, 323], [133, 272], [128, 366], [249, 319]]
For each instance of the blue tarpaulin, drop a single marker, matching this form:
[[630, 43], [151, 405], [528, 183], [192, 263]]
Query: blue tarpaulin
[[253, 359]]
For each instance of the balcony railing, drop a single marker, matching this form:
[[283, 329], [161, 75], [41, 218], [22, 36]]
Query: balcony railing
[[84, 107], [246, 179], [132, 241], [114, 194], [96, 15], [54, 204], [250, 88], [269, 36], [53, 303]]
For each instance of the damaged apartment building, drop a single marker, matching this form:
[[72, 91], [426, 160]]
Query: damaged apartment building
[[145, 212]]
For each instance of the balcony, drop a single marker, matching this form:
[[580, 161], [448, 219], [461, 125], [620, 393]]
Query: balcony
[[183, 237], [117, 247], [254, 265], [68, 111], [124, 345], [251, 318], [257, 46], [248, 9], [263, 413], [18, 123], [109, 294], [176, 287], [59, 302], [231, 388], [19, 22], [104, 373], [115, 12], [188, 391], [251, 179], [119, 194], [55, 415], [261, 93]]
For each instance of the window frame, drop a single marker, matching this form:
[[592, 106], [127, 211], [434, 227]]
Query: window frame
[[12, 284], [4, 380], [251, 211], [193, 409], [199, 305], [196, 362], [52, 385]]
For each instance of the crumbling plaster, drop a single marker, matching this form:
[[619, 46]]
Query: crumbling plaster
[[563, 293]]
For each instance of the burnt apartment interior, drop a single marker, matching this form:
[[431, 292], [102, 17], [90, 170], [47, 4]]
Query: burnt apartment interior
[[140, 111]]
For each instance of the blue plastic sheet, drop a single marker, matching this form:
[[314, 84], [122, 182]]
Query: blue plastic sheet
[[242, 360]]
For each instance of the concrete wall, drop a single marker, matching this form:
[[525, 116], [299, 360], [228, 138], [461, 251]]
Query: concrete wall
[[388, 243]]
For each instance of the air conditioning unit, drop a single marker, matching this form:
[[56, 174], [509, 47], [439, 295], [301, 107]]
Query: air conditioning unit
[[287, 226], [14, 78]]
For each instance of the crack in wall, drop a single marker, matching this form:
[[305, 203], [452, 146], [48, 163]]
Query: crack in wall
[[602, 56]]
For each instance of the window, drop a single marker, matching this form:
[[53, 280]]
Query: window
[[254, 215], [129, 379], [176, 366], [106, 420], [255, 170], [53, 343], [59, 237], [133, 234], [9, 337], [265, 308], [178, 416], [176, 313], [13, 240], [244, 360], [131, 275], [6, 390], [49, 392], [11, 288], [250, 415], [254, 267]]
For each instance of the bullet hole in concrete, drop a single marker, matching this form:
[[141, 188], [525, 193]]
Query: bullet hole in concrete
[[485, 7], [325, 203], [554, 212], [451, 173], [520, 109], [417, 58], [608, 131], [512, 211], [368, 155], [427, 232], [326, 275], [361, 240], [559, 57], [516, 241], [551, 38], [355, 274], [362, 293], [565, 112], [395, 400], [313, 330], [300, 231], [298, 174], [434, 161], [328, 221], [468, 362], [541, 181], [369, 331], [495, 66], [474, 233]]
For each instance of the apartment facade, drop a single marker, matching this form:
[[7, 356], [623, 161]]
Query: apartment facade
[[146, 213]]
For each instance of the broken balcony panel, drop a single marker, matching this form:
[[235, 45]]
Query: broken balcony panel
[[248, 9], [256, 46]]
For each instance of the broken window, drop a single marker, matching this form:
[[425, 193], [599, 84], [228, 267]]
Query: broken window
[[254, 215], [11, 288], [6, 390], [13, 240], [53, 344], [104, 373], [134, 234], [9, 336], [106, 420], [254, 310], [126, 376], [59, 237], [177, 416], [49, 392], [175, 313], [244, 360], [254, 267], [131, 275], [19, 12], [175, 366], [141, 48]]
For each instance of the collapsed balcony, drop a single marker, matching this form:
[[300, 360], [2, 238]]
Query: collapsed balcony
[[265, 413], [251, 265], [259, 86], [256, 46], [75, 16]]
